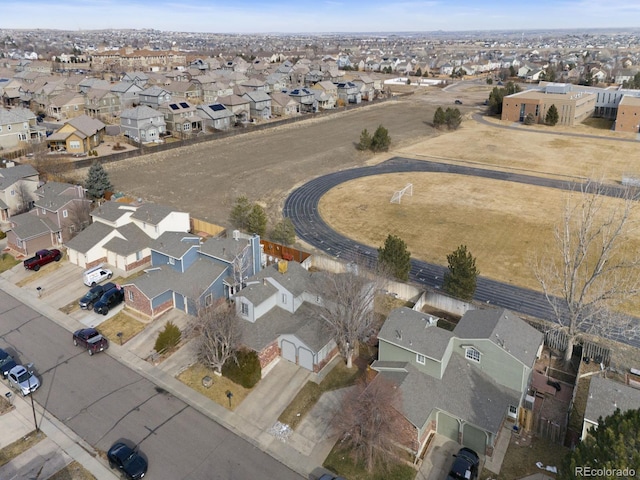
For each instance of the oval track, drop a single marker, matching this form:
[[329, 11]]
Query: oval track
[[302, 208]]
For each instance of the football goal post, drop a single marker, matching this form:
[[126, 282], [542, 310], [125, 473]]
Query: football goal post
[[407, 190]]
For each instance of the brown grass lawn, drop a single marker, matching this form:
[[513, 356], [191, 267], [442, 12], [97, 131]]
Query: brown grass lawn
[[21, 445], [193, 376], [73, 471], [503, 224], [7, 262], [121, 322]]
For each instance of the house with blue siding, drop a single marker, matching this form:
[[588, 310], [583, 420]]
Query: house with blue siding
[[463, 384]]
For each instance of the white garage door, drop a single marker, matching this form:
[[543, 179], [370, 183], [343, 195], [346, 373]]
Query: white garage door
[[305, 358], [288, 351]]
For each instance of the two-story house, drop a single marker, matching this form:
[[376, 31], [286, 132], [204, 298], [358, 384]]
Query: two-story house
[[282, 105], [127, 92], [154, 96], [240, 107], [349, 92], [259, 104], [66, 105], [181, 118], [464, 383], [216, 116], [121, 235], [282, 317], [17, 185], [78, 135], [305, 98], [101, 103], [143, 124], [18, 126]]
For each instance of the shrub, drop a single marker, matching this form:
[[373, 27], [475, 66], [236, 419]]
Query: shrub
[[168, 338], [529, 119], [2, 235], [244, 370]]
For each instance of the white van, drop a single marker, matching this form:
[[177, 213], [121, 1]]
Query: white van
[[95, 275]]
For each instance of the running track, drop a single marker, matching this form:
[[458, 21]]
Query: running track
[[302, 208]]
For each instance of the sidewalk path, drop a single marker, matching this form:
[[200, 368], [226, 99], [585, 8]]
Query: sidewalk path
[[40, 462]]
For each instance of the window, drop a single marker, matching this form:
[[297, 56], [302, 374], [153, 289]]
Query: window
[[244, 308], [471, 353], [172, 261], [13, 192], [8, 127], [284, 298], [0, 128], [25, 125], [208, 300], [130, 293], [420, 359], [74, 144], [44, 212], [513, 411], [65, 214], [138, 256]]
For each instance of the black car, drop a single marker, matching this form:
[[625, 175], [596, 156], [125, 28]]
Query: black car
[[127, 460], [465, 466], [109, 299], [94, 294], [458, 102], [6, 363]]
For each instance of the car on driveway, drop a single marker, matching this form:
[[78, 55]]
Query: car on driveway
[[94, 294], [465, 466], [109, 299], [6, 363], [23, 380], [91, 339], [127, 460]]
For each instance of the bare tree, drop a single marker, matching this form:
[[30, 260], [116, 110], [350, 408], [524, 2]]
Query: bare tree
[[24, 197], [79, 216], [368, 422], [219, 335], [588, 271], [240, 265], [346, 305]]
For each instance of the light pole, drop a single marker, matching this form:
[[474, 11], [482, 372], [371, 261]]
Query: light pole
[[33, 406]]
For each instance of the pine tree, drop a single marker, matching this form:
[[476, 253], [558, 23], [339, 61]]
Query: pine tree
[[257, 220], [97, 182], [461, 278], [394, 257], [552, 116], [381, 140], [284, 232], [239, 216], [453, 119], [365, 140], [438, 118]]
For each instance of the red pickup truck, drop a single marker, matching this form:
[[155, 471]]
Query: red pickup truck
[[41, 258], [90, 339]]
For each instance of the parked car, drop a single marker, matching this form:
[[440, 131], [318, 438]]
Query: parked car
[[23, 380], [41, 258], [91, 339], [110, 299], [127, 460], [465, 466], [6, 363], [94, 294], [458, 102], [95, 275]]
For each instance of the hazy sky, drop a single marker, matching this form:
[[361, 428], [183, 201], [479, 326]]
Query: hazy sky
[[299, 16]]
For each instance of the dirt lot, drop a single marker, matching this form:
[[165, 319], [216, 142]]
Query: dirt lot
[[205, 179]]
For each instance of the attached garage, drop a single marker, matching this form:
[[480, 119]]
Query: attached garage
[[288, 351], [474, 438], [448, 426], [305, 358]]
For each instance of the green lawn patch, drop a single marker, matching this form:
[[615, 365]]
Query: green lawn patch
[[7, 262]]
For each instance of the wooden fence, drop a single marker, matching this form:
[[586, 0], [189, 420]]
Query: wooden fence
[[549, 429], [275, 251], [205, 227]]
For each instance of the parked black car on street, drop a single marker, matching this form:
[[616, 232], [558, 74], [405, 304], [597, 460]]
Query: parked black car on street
[[127, 460]]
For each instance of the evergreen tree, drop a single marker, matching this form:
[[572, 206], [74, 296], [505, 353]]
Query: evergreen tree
[[394, 257], [97, 182], [453, 118], [529, 119], [257, 220], [611, 446], [239, 216], [419, 72], [365, 140], [438, 118], [381, 140], [284, 232], [461, 278], [552, 116]]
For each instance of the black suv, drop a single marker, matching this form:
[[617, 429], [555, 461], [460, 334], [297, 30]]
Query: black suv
[[6, 363], [94, 294], [110, 299], [127, 460], [465, 466]]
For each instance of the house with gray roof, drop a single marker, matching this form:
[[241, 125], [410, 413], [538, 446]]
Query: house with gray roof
[[260, 104], [78, 135], [12, 181], [282, 317], [605, 397], [18, 126], [143, 124], [187, 274], [216, 116], [127, 92], [463, 384], [121, 235], [154, 96]]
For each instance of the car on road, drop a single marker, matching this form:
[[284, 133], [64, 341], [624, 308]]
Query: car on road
[[91, 339], [458, 102], [109, 299], [23, 380], [465, 466], [6, 363], [94, 294], [127, 460]]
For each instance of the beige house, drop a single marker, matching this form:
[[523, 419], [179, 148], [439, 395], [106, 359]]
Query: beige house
[[628, 118], [78, 135], [573, 107], [66, 105]]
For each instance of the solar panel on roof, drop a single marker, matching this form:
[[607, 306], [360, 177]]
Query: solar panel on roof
[[184, 105], [173, 106], [216, 107]]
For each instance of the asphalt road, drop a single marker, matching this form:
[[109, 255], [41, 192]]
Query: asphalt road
[[302, 208], [104, 401]]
